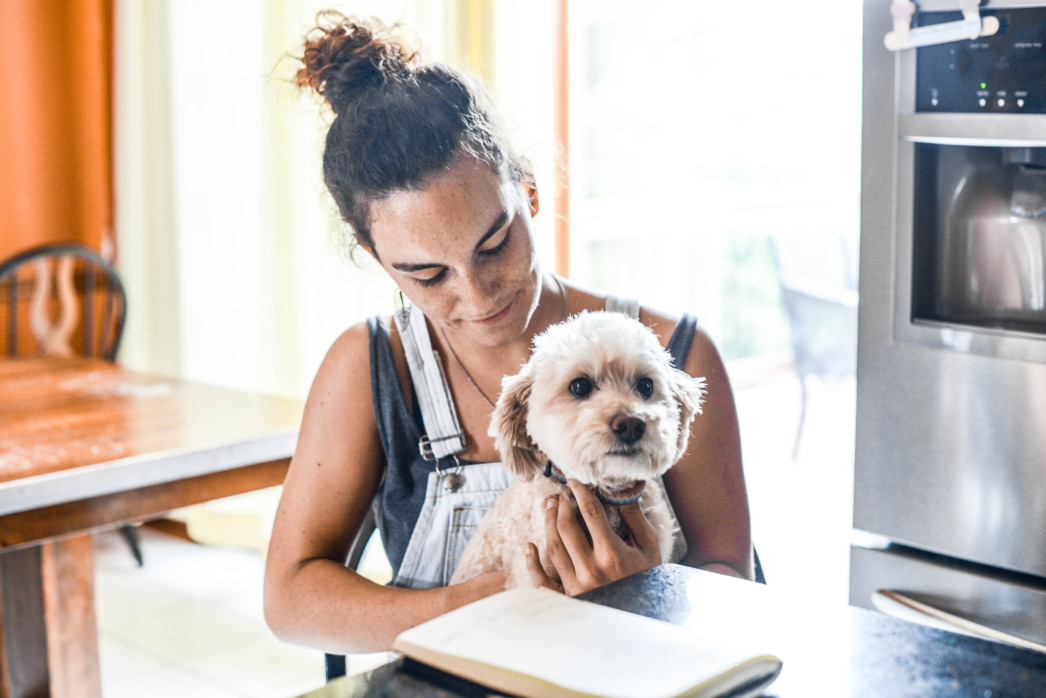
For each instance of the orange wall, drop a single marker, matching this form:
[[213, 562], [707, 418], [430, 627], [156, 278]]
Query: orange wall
[[55, 122]]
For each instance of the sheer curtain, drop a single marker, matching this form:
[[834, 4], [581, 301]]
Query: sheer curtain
[[225, 230], [222, 224]]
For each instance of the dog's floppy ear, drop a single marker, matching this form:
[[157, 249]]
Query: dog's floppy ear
[[689, 394], [508, 426]]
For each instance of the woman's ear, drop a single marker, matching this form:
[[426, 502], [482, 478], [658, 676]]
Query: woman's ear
[[532, 197], [508, 426]]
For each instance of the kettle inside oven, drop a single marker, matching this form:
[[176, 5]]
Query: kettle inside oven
[[991, 260]]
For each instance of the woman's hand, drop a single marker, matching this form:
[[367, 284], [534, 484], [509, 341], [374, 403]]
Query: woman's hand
[[584, 562], [480, 586]]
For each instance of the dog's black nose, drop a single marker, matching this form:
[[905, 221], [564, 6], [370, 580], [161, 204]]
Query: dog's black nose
[[628, 428]]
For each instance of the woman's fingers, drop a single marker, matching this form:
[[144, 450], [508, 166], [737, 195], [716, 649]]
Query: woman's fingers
[[571, 532], [595, 517], [538, 577], [643, 534], [557, 551]]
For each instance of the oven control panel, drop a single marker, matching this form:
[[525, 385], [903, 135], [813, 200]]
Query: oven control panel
[[1004, 73]]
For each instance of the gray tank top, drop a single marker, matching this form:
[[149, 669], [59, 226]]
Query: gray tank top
[[402, 491]]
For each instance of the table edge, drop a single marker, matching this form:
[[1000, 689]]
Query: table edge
[[144, 470]]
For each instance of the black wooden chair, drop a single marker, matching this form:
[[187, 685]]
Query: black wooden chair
[[61, 299], [64, 300], [336, 664], [817, 276]]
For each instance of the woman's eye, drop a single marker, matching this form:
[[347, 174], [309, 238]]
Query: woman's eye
[[497, 246], [645, 386], [431, 280], [581, 387]]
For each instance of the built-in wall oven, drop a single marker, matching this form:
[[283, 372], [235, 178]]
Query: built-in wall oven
[[950, 480]]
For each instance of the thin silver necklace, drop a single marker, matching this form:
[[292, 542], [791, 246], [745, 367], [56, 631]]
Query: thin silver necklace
[[563, 316]]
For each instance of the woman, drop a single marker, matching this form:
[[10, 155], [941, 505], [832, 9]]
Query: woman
[[430, 189]]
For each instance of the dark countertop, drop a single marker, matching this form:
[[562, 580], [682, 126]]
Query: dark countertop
[[827, 651], [849, 651]]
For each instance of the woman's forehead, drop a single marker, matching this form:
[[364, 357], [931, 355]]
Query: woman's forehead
[[462, 201]]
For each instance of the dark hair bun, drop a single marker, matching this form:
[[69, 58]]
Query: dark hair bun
[[345, 56]]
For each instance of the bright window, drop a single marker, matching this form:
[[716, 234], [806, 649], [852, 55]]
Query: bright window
[[698, 131]]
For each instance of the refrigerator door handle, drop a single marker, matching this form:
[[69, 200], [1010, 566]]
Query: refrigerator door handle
[[898, 605]]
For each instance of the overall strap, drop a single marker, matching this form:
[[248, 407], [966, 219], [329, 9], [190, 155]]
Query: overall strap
[[681, 339], [443, 436], [627, 306]]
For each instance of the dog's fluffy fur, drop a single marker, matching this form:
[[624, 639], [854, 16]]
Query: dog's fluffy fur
[[631, 424]]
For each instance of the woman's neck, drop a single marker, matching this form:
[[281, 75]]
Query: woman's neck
[[553, 307]]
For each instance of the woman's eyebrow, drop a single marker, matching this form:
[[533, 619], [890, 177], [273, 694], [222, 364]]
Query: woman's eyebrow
[[408, 268], [498, 224]]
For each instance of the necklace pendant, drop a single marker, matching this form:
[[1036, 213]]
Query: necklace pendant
[[452, 482]]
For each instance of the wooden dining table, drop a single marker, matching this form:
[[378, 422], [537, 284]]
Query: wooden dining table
[[87, 445]]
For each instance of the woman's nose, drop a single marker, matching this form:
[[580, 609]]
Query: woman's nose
[[477, 294]]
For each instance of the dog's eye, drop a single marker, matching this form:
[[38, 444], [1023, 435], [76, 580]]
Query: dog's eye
[[580, 387], [645, 386]]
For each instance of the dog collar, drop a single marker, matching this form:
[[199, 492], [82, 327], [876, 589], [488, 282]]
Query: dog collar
[[626, 495]]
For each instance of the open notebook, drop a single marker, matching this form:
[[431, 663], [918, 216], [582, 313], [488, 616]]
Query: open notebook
[[534, 642]]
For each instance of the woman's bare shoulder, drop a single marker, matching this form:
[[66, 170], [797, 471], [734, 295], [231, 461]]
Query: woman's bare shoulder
[[346, 371], [342, 381], [349, 353], [339, 429], [704, 355], [351, 350]]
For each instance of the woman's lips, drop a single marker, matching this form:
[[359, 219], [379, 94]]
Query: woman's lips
[[500, 315]]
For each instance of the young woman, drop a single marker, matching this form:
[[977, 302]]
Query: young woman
[[431, 190]]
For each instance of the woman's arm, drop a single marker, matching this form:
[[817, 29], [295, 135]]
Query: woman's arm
[[311, 598], [707, 486]]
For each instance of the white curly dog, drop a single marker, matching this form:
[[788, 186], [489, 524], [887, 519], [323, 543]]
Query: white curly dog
[[600, 402]]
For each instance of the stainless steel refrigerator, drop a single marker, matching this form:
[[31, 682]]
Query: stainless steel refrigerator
[[950, 481]]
